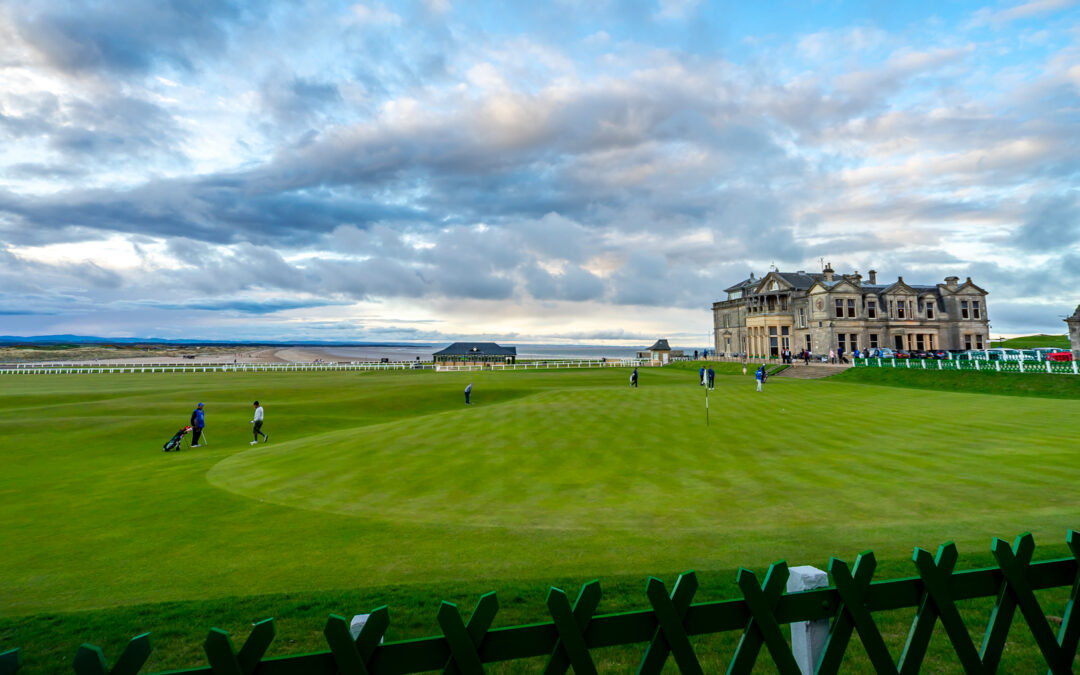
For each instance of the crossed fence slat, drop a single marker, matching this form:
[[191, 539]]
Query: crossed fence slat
[[672, 620]]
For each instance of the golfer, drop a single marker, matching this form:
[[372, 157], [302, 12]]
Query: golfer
[[468, 390], [760, 377], [198, 421], [633, 378], [256, 423]]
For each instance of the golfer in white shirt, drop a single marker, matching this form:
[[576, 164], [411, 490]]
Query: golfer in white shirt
[[256, 423]]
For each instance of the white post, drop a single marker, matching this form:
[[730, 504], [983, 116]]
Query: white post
[[357, 624], [808, 637]]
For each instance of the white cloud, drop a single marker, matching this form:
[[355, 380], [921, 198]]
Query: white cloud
[[375, 15], [674, 10], [998, 18]]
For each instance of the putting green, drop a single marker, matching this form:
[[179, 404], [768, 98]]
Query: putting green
[[603, 458], [380, 479]]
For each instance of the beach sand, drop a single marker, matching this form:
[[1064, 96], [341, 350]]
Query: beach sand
[[170, 355]]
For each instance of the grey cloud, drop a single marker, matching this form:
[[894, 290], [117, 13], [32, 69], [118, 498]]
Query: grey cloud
[[245, 306], [124, 36], [573, 284], [298, 101], [36, 170], [1051, 223], [97, 129]]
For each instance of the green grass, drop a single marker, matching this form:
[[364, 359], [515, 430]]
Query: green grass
[[1044, 385], [386, 488], [1031, 341]]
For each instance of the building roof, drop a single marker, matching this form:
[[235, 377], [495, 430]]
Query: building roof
[[800, 280], [660, 345], [477, 349], [742, 284]]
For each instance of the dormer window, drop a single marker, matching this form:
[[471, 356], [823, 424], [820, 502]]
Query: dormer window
[[851, 309], [900, 309], [871, 309], [964, 309], [839, 309], [930, 309], [975, 309]]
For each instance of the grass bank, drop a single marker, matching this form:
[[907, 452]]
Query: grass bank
[[1041, 385]]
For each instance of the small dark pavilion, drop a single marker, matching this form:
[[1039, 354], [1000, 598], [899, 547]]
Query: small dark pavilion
[[476, 352]]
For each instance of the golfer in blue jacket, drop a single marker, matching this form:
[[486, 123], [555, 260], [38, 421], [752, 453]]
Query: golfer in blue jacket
[[198, 421]]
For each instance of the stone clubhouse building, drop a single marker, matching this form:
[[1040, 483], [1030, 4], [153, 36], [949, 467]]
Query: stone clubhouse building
[[823, 311]]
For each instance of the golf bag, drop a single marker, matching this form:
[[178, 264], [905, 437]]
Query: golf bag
[[174, 442]]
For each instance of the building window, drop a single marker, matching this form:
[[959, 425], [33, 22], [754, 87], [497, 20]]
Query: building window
[[975, 309], [920, 343], [839, 309], [873, 341], [854, 342], [967, 341], [772, 331], [978, 341], [930, 310], [851, 309], [964, 310], [808, 343], [900, 309], [871, 309], [785, 330], [840, 340], [802, 318]]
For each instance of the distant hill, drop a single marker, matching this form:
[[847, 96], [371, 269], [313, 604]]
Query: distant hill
[[1032, 341], [93, 339]]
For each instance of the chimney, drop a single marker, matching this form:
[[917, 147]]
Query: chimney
[[951, 283], [873, 276], [899, 280], [828, 272], [857, 278]]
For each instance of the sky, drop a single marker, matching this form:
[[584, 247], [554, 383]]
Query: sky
[[565, 171]]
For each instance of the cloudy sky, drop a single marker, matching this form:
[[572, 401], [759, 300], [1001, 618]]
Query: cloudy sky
[[560, 171]]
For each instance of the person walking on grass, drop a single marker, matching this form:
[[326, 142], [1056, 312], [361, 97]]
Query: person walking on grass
[[701, 376], [760, 376], [468, 392], [198, 422], [712, 378], [256, 424], [633, 379]]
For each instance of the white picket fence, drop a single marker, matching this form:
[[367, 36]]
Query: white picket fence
[[72, 369], [1058, 367]]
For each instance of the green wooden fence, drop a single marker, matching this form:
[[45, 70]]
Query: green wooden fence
[[672, 619]]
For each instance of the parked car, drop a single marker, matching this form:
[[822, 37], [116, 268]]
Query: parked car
[[901, 354], [886, 353], [939, 354], [920, 354], [1059, 356]]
